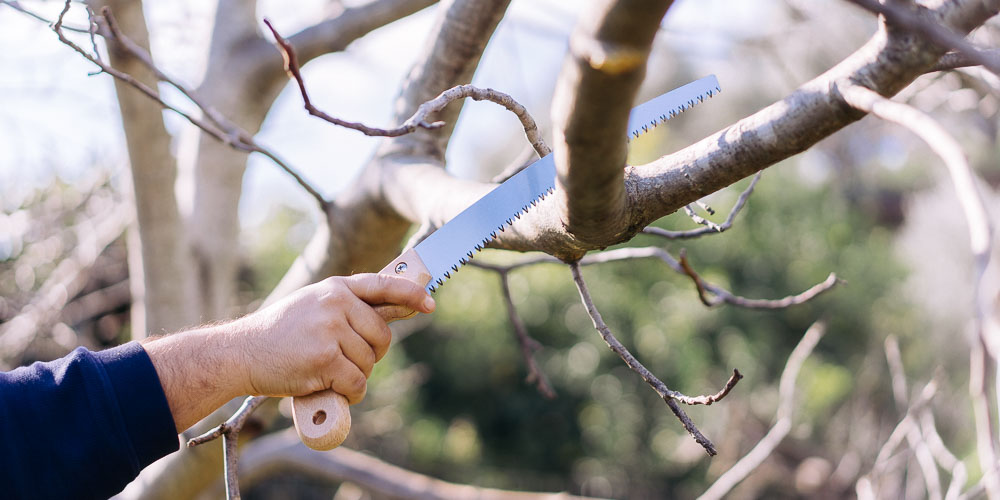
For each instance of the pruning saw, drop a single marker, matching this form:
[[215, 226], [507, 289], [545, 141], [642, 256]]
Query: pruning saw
[[322, 419]]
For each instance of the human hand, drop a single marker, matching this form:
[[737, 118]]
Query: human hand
[[325, 335]]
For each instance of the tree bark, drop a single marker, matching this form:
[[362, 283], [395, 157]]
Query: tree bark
[[158, 259], [594, 94]]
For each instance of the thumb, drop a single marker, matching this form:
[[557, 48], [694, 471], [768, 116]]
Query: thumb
[[376, 289]]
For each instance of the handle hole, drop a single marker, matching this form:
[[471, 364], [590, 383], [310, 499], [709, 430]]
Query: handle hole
[[319, 417]]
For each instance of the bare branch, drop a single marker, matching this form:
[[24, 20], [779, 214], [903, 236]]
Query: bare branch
[[17, 6], [728, 223], [594, 94], [895, 361], [230, 433], [671, 397], [955, 60], [220, 128], [983, 349], [528, 344], [783, 424], [942, 455], [93, 235], [271, 454], [420, 117], [916, 20]]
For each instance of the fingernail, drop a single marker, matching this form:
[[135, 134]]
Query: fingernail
[[428, 303]]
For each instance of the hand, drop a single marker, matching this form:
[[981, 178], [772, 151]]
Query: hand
[[325, 335]]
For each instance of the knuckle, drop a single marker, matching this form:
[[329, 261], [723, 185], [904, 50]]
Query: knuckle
[[357, 386]]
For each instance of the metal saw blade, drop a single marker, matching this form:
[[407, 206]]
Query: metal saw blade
[[452, 245], [653, 112]]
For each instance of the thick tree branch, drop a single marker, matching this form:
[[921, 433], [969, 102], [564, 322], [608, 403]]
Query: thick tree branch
[[914, 19], [594, 94], [887, 63], [335, 34]]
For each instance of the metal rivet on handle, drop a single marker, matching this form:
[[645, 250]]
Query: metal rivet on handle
[[401, 268]]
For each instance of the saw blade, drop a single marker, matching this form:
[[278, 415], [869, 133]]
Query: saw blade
[[454, 244], [653, 112]]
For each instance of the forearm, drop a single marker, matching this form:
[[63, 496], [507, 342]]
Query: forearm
[[199, 370]]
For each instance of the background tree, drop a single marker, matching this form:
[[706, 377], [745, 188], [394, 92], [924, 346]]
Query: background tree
[[189, 266]]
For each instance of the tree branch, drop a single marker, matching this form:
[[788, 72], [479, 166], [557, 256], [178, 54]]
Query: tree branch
[[713, 229], [669, 396], [594, 94], [528, 344], [783, 424], [420, 116], [915, 19], [276, 452]]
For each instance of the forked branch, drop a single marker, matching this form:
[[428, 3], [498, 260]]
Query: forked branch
[[669, 396]]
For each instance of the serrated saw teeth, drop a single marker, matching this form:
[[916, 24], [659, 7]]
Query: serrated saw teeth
[[697, 92]]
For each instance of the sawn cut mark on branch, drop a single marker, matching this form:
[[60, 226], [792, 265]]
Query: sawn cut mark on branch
[[669, 396], [424, 111]]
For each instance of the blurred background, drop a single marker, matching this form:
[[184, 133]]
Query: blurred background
[[870, 203]]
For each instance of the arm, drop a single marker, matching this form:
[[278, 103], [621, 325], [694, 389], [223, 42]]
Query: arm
[[94, 420], [325, 335]]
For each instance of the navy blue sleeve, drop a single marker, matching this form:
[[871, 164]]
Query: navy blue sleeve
[[82, 426]]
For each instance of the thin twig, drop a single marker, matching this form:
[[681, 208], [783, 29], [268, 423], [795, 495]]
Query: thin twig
[[783, 424], [694, 233], [698, 283], [424, 111], [895, 361], [230, 433], [17, 6], [913, 19], [529, 346], [943, 455], [220, 128], [711, 226], [721, 295], [232, 424], [668, 395]]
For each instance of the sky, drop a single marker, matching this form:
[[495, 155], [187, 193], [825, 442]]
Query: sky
[[56, 119]]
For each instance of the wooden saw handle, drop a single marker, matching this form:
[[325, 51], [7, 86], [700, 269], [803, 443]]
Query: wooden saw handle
[[322, 418]]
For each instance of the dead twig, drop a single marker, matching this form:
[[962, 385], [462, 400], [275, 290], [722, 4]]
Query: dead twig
[[230, 433], [715, 228], [217, 126], [529, 346], [668, 395], [424, 111]]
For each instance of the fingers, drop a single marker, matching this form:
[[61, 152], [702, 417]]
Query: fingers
[[378, 289], [349, 382], [371, 327]]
